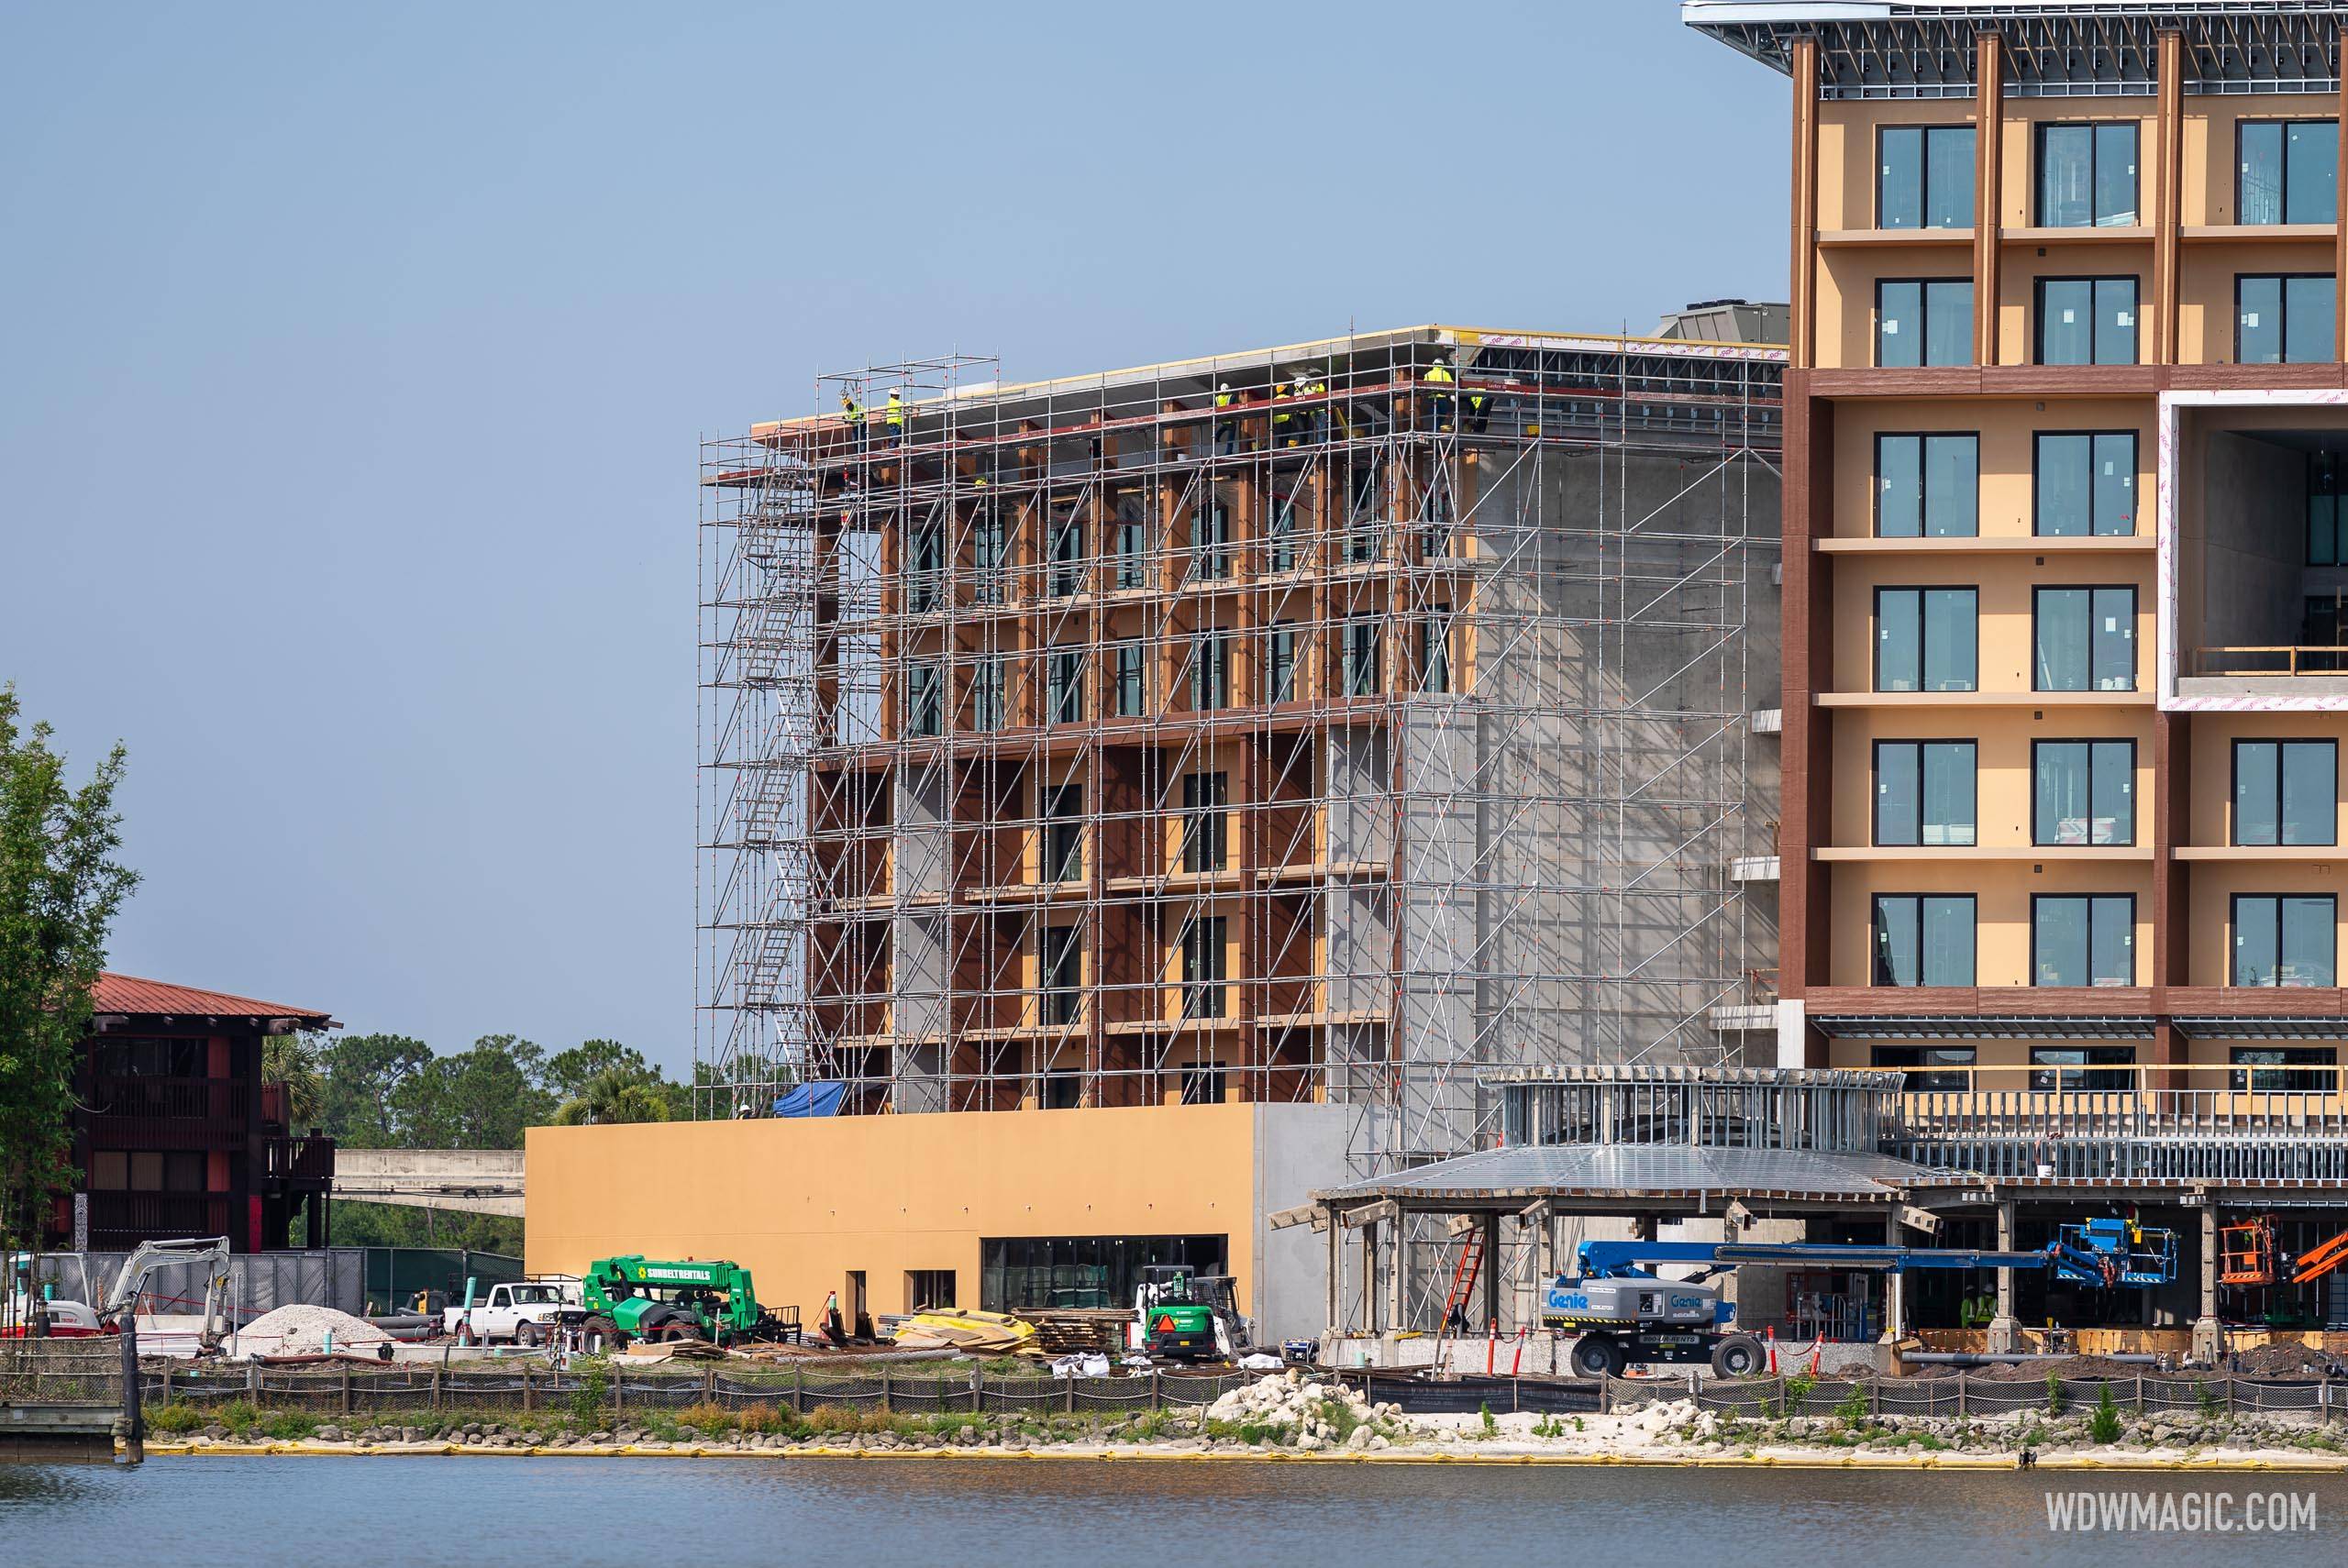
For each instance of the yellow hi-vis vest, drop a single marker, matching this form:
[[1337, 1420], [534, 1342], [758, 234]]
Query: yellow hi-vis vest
[[1437, 374], [896, 412]]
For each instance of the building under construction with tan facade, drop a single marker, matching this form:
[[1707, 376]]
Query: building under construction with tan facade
[[1306, 729]]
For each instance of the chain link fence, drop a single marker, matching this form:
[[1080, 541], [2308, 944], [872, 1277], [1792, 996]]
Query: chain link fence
[[61, 1371]]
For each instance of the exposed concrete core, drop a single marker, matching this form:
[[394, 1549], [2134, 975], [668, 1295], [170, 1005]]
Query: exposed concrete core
[[2005, 1332], [2208, 1338], [2252, 543]]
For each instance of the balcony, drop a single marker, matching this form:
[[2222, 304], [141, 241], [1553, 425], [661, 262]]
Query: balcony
[[302, 1161]]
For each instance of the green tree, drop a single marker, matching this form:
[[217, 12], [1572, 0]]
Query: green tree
[[567, 1073], [61, 886], [363, 1076], [615, 1095], [480, 1099]]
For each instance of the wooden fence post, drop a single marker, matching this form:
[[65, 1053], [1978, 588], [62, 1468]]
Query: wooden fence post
[[797, 1391], [1069, 1391], [709, 1385], [885, 1393], [1961, 1378], [1156, 1389], [2140, 1393], [436, 1388], [528, 1406], [619, 1386], [346, 1390]]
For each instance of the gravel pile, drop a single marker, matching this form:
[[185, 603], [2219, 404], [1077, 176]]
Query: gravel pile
[[301, 1330], [2282, 1360]]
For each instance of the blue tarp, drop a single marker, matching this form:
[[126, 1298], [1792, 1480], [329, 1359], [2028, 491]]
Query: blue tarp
[[812, 1099]]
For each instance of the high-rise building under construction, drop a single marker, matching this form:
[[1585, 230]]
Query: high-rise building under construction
[[1319, 723]]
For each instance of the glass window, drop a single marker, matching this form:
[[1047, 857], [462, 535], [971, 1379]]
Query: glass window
[[2084, 639], [988, 556], [986, 693], [1064, 688], [2070, 1068], [1280, 665], [1024, 1272], [1132, 543], [2289, 171], [1064, 833], [922, 700], [1434, 651], [1211, 546], [2286, 791], [925, 568], [1926, 639], [1205, 796], [2085, 483], [1924, 793], [2086, 176], [1923, 322], [1359, 675], [2285, 1069], [2283, 939], [2083, 791], [1928, 486], [1132, 661], [1280, 552], [1925, 177], [1929, 1068], [1062, 962], [2086, 321], [1067, 575], [1924, 939], [1204, 968], [1210, 671], [2083, 939], [2282, 319]]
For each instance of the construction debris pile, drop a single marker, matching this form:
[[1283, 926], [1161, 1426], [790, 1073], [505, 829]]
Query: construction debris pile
[[1320, 1415]]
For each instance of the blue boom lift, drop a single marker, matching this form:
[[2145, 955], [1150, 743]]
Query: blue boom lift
[[1624, 1313]]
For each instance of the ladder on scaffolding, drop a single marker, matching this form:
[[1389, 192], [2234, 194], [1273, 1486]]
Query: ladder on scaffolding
[[1463, 1280]]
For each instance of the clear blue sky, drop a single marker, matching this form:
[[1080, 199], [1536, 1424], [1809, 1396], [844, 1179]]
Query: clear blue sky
[[356, 360]]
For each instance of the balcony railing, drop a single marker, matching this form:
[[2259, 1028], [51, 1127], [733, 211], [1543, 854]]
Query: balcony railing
[[298, 1159], [201, 1099], [2278, 661], [2122, 1123]]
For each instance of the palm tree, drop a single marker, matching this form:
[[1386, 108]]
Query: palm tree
[[613, 1096], [292, 1060]]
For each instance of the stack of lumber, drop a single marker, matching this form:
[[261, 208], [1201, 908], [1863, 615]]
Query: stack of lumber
[[1076, 1330]]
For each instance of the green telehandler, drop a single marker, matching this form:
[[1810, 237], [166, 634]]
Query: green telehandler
[[634, 1297]]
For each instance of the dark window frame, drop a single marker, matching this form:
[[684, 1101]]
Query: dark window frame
[[2233, 791], [2095, 183], [1924, 177], [2090, 742], [1923, 496], [2094, 281], [2089, 899], [1925, 312], [1874, 797], [2135, 619], [2241, 160], [2233, 929], [2037, 512], [1923, 630], [2283, 315], [1876, 970]]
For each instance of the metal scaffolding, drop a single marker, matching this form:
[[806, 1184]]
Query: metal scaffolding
[[1326, 723]]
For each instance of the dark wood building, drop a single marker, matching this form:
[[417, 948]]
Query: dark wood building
[[179, 1132]]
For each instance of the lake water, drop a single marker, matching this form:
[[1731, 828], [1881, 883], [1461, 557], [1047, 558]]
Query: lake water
[[422, 1512]]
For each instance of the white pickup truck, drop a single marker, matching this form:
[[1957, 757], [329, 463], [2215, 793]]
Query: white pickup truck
[[526, 1312]]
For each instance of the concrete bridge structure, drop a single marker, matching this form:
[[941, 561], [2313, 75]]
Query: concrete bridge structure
[[469, 1181]]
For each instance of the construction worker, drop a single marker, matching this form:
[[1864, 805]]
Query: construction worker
[[1479, 411], [1226, 430], [894, 415], [1438, 402], [1284, 417], [1313, 383], [852, 413]]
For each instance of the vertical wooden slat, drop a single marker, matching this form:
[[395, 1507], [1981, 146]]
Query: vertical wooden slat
[[2169, 194], [1803, 275], [1989, 144]]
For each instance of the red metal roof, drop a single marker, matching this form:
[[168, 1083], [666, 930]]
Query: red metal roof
[[129, 994]]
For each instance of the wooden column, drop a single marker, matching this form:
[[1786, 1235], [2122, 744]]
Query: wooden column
[[1803, 277], [2168, 194], [1989, 186], [2172, 882], [1806, 807]]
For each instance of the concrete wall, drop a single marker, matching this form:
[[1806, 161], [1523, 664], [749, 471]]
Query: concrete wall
[[2252, 546], [805, 1202]]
